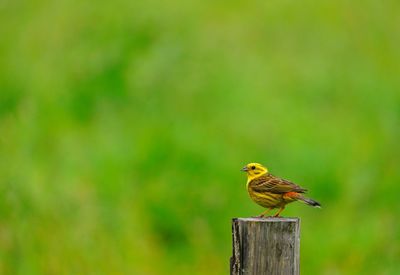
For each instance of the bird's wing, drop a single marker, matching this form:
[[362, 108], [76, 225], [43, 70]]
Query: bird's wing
[[272, 184]]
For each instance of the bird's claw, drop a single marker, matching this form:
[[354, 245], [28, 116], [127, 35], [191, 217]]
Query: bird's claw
[[262, 217]]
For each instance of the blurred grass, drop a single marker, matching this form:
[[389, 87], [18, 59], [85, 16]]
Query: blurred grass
[[124, 125]]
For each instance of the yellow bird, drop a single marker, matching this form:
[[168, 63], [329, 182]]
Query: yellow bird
[[273, 192]]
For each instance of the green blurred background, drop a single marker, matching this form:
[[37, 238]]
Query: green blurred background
[[124, 125]]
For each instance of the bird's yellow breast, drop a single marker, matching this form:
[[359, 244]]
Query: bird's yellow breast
[[265, 199]]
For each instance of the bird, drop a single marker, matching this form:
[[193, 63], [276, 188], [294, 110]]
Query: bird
[[272, 192]]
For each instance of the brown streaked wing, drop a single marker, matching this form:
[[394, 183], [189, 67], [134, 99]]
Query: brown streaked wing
[[270, 183]]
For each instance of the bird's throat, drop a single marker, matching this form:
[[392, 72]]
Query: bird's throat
[[254, 176]]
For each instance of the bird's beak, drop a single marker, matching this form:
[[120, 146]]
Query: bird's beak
[[244, 169]]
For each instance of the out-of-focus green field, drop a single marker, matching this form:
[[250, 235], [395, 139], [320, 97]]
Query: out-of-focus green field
[[124, 124]]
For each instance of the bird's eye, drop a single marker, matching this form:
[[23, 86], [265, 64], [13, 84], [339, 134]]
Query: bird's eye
[[253, 167]]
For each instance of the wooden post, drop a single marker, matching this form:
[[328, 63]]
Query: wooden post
[[265, 246]]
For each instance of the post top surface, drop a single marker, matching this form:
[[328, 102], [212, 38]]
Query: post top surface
[[268, 219]]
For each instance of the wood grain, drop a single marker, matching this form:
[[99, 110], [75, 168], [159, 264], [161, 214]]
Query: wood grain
[[265, 246]]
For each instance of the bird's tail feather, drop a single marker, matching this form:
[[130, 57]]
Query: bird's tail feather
[[309, 201]]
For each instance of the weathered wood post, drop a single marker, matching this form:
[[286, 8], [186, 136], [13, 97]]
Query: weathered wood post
[[265, 246]]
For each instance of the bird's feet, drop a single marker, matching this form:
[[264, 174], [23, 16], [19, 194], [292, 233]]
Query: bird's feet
[[262, 217]]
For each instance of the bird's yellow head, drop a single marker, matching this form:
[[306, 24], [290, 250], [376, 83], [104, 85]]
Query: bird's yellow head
[[254, 170]]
